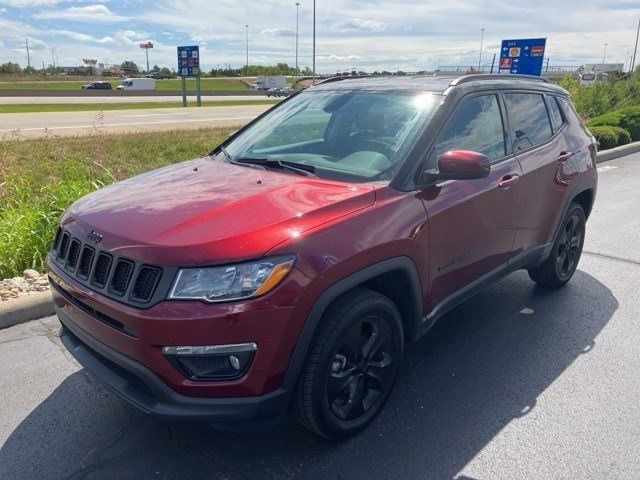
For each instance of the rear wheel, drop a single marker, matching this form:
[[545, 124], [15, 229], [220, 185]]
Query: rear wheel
[[352, 365], [565, 255]]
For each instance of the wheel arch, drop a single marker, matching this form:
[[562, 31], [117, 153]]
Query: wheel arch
[[397, 278]]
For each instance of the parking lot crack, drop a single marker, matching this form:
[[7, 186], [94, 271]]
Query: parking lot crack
[[613, 257]]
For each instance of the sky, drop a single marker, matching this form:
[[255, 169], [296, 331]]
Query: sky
[[366, 35]]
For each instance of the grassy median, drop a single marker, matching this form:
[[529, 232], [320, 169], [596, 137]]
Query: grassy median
[[83, 107], [39, 179]]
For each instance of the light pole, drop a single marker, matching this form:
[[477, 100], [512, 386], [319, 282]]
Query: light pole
[[314, 42], [635, 50], [481, 42], [604, 55], [297, 4], [246, 30]]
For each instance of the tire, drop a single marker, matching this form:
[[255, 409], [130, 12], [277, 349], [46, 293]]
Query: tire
[[351, 366], [563, 260]]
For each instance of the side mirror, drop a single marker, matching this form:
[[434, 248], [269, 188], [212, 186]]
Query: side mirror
[[463, 165]]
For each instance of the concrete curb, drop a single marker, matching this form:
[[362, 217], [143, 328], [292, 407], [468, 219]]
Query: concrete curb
[[27, 307], [618, 152], [39, 304]]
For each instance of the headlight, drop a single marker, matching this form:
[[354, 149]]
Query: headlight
[[230, 282]]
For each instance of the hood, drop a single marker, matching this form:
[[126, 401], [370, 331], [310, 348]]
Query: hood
[[204, 212]]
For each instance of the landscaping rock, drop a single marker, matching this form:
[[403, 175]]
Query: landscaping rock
[[30, 281]]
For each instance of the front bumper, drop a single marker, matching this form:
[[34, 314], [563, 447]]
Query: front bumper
[[138, 385]]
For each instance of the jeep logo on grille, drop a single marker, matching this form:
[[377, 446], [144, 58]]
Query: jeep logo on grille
[[94, 236]]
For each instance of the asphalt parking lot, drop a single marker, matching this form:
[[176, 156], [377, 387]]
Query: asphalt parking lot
[[517, 382]]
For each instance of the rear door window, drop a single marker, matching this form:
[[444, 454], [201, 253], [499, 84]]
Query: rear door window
[[556, 114], [475, 125], [529, 119]]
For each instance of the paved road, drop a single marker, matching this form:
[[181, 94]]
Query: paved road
[[123, 99], [518, 382], [33, 125]]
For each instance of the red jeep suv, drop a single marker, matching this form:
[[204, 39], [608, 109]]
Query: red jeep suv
[[289, 268]]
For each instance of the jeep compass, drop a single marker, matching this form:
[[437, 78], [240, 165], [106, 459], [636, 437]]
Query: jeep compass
[[289, 268]]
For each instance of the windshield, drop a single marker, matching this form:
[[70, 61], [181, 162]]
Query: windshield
[[357, 136]]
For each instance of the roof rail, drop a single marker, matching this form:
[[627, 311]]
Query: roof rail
[[488, 76], [337, 79]]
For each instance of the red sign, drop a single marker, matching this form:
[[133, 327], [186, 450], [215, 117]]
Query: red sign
[[537, 51], [505, 63]]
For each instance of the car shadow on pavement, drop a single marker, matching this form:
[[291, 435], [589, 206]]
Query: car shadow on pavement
[[482, 366]]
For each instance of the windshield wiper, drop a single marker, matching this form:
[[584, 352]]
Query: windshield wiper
[[299, 168]]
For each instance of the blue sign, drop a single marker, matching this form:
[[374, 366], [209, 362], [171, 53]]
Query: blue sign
[[522, 56], [189, 61]]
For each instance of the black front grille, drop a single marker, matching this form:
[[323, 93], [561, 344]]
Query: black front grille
[[146, 283], [131, 378], [121, 276], [110, 274], [64, 246], [101, 272], [74, 253], [86, 260]]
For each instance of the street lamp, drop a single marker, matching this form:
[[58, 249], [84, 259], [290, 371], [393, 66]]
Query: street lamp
[[246, 29], [314, 42], [604, 55], [297, 4], [481, 42]]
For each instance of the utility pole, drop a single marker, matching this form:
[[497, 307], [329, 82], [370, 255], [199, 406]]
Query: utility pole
[[314, 42], [481, 42], [297, 4], [246, 30], [635, 50], [26, 42], [604, 55]]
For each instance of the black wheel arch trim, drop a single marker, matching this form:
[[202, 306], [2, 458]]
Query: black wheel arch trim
[[583, 187], [404, 264]]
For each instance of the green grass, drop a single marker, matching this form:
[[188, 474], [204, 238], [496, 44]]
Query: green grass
[[39, 179], [218, 84], [81, 107]]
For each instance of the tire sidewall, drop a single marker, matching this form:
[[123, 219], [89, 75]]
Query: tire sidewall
[[330, 423], [577, 210]]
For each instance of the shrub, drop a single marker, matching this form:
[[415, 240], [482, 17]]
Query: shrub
[[624, 137], [606, 136], [627, 118]]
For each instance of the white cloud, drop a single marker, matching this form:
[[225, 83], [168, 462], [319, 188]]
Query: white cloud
[[88, 13], [278, 32], [360, 25], [28, 3], [339, 58]]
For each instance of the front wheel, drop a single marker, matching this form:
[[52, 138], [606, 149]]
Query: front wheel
[[352, 365], [565, 254]]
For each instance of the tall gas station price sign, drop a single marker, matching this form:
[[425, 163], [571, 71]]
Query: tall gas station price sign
[[189, 67], [524, 56]]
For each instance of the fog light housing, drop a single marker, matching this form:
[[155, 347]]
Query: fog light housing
[[212, 362]]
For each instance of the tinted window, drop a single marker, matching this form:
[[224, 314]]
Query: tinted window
[[556, 114], [568, 110], [529, 119], [475, 125]]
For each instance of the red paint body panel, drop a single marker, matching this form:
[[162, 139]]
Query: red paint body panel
[[204, 212]]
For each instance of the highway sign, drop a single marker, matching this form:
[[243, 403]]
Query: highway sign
[[189, 61], [522, 56]]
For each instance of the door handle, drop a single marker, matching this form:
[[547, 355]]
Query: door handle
[[508, 180], [564, 156]]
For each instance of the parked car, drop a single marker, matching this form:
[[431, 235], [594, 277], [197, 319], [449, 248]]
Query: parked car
[[97, 86], [280, 92], [137, 84], [292, 265]]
